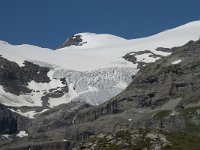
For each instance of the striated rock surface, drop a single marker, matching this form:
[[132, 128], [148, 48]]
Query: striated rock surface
[[75, 40]]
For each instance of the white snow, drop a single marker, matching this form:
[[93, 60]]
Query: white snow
[[146, 58], [92, 40], [173, 113], [10, 99], [29, 114], [74, 119], [101, 50], [6, 136], [92, 89], [45, 86], [176, 62], [44, 110], [22, 134], [50, 74], [61, 100]]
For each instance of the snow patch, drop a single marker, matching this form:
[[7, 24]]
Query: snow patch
[[6, 136], [10, 99], [176, 62], [22, 134], [44, 110], [54, 83], [29, 114], [146, 58], [50, 74], [61, 100]]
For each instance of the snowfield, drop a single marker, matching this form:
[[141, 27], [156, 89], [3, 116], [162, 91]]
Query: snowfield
[[101, 50], [94, 71]]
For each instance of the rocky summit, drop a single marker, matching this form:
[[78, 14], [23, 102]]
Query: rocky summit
[[147, 99]]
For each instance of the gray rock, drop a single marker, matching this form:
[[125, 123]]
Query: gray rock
[[11, 123]]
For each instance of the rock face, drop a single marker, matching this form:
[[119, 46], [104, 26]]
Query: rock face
[[14, 78], [156, 84], [7, 121], [11, 123], [59, 117]]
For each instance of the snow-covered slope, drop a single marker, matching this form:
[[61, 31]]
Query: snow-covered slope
[[92, 40], [101, 51], [96, 70]]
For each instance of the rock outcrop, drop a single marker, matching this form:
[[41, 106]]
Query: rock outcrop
[[75, 40], [11, 123]]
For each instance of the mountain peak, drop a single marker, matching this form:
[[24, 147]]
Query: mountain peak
[[91, 40], [75, 40]]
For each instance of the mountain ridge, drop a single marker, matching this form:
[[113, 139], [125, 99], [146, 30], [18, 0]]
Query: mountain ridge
[[141, 86], [170, 38]]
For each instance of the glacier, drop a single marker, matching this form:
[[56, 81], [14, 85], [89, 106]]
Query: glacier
[[95, 71]]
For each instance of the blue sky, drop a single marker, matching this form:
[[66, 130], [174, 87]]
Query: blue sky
[[48, 23]]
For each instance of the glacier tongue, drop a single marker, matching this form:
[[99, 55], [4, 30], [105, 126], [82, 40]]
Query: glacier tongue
[[97, 86]]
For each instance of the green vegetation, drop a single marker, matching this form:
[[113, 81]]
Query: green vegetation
[[103, 143], [138, 139], [114, 147], [146, 143], [125, 135], [193, 128], [182, 141], [190, 111], [123, 139]]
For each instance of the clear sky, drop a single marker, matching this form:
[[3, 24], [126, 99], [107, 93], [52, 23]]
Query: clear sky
[[48, 23]]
